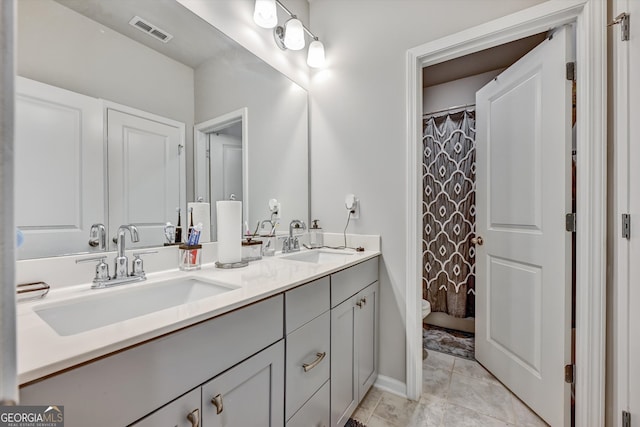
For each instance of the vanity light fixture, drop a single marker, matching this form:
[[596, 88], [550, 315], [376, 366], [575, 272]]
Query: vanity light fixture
[[265, 14], [291, 35]]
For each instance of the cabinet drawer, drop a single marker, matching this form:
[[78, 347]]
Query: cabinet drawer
[[349, 282], [305, 303], [314, 413], [303, 347], [175, 413]]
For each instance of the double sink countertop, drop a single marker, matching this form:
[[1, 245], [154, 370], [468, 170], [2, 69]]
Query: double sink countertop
[[42, 351]]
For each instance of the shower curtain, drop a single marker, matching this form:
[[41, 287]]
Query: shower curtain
[[448, 208]]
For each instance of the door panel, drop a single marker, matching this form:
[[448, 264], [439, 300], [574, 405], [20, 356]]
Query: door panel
[[144, 175], [523, 284], [514, 151], [58, 136], [344, 390], [366, 338]]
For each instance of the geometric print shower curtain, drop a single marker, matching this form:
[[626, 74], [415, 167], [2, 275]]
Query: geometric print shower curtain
[[448, 209]]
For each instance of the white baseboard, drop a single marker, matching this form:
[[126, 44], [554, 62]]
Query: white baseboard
[[391, 385]]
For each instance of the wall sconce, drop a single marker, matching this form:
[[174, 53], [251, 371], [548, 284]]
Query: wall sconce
[[291, 35]]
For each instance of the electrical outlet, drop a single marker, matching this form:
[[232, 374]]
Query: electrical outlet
[[352, 203]]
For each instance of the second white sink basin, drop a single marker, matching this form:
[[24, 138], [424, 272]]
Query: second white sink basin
[[102, 309], [319, 256]]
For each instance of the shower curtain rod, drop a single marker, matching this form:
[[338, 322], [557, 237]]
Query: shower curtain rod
[[457, 107]]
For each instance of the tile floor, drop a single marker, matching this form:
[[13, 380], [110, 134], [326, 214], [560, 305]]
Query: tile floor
[[456, 393]]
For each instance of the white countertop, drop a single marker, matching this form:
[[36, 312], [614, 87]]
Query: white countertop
[[42, 352]]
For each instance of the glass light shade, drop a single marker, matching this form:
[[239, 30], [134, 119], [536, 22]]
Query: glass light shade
[[315, 56], [293, 34], [265, 14]]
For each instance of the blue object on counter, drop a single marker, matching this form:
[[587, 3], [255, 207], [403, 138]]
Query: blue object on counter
[[19, 238]]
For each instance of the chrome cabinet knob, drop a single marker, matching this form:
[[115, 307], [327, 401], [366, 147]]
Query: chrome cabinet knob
[[477, 241]]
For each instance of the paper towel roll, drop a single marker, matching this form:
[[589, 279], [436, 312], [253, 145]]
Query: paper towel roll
[[229, 220], [202, 213]]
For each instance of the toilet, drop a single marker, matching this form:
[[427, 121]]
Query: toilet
[[426, 309]]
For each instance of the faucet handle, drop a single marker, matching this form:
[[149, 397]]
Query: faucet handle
[[138, 265], [102, 268]]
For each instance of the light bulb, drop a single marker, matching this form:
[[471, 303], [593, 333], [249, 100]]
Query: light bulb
[[265, 14], [293, 34], [315, 57]]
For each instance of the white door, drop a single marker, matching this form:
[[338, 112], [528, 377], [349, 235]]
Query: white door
[[146, 175], [523, 284], [59, 173], [225, 152]]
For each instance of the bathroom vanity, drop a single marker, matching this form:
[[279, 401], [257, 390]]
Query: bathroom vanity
[[290, 343]]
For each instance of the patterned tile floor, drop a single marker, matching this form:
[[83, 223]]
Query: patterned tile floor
[[456, 393]]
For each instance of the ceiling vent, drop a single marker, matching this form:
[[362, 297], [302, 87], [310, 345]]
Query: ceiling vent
[[149, 28]]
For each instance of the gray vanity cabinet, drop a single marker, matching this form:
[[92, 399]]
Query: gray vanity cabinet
[[249, 394], [354, 337]]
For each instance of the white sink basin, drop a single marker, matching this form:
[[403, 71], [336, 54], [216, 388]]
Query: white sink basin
[[319, 256], [118, 305]]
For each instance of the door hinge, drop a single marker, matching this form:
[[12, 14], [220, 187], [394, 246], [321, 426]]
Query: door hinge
[[180, 147], [626, 226], [207, 153], [626, 419], [571, 71], [623, 20], [570, 222], [569, 373]]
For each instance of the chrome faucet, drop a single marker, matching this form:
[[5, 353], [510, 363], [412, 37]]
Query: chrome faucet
[[121, 276], [98, 236], [291, 243], [122, 262]]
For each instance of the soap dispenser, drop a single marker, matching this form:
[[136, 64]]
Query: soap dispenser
[[316, 239]]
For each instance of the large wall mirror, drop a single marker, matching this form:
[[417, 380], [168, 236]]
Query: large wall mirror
[[120, 105]]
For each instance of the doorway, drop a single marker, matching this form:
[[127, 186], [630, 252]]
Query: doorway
[[448, 191], [589, 17], [221, 162]]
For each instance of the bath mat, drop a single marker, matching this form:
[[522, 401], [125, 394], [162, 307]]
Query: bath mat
[[354, 423], [455, 343]]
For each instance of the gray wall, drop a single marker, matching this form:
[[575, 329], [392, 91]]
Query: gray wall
[[358, 127], [62, 48], [277, 129]]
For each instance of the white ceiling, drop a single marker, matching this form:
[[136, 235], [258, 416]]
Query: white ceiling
[[194, 40]]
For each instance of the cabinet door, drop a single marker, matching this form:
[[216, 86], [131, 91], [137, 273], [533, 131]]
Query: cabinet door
[[182, 412], [344, 389], [249, 394], [59, 173], [367, 338]]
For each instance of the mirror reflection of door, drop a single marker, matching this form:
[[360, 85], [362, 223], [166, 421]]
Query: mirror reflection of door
[[225, 163], [146, 169]]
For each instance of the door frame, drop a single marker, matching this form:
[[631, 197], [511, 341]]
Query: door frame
[[591, 57], [623, 201]]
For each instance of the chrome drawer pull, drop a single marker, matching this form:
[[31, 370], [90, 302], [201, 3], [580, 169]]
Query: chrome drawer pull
[[309, 366], [194, 418], [217, 402]]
